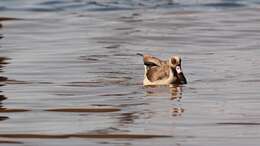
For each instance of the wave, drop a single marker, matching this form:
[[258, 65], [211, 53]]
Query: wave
[[112, 5]]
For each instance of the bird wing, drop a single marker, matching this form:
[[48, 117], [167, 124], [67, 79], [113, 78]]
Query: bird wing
[[151, 61], [156, 73]]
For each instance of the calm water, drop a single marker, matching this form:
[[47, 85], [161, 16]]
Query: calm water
[[69, 74]]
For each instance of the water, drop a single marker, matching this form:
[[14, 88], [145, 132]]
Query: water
[[69, 72]]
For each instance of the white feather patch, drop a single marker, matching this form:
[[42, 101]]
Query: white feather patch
[[178, 69]]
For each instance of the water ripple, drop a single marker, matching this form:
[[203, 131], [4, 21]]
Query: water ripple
[[114, 5], [225, 5], [52, 136]]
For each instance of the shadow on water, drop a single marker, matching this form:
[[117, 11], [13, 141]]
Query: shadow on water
[[62, 136], [3, 79], [90, 109], [239, 123], [9, 142], [7, 18]]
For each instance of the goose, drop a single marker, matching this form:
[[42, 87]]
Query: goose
[[162, 72]]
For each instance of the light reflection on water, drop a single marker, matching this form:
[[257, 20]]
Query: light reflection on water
[[68, 72]]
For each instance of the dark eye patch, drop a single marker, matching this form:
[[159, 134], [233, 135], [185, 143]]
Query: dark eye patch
[[174, 61]]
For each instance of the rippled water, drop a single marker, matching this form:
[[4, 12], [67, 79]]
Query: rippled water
[[69, 73]]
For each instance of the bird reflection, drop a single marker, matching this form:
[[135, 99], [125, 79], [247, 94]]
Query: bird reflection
[[175, 92], [177, 111]]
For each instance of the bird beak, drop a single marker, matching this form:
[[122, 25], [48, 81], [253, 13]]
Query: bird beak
[[180, 75]]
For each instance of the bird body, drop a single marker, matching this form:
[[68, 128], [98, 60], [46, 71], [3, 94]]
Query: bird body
[[160, 72]]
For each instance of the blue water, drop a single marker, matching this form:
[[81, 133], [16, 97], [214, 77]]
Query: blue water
[[67, 54]]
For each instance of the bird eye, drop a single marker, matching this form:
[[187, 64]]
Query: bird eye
[[178, 69]]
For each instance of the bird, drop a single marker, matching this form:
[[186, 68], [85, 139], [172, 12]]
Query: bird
[[162, 72]]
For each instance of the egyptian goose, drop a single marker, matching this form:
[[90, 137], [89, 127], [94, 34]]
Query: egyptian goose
[[160, 72]]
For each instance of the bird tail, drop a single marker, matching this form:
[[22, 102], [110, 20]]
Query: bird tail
[[140, 54]]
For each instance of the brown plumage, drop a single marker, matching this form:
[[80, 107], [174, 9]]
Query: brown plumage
[[158, 72]]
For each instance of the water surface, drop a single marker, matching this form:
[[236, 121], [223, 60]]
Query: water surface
[[69, 73]]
